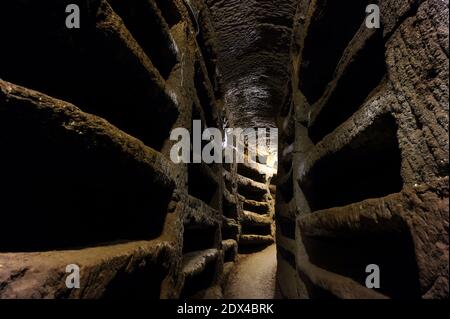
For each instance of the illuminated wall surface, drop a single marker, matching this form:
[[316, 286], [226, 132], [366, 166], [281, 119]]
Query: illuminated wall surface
[[348, 198]]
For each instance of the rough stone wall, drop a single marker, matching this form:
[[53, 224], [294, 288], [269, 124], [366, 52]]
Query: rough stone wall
[[86, 179], [363, 174]]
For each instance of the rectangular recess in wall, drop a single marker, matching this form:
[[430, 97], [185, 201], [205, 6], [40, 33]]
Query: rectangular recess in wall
[[198, 238], [349, 256], [262, 230], [358, 82], [252, 193], [151, 32], [333, 25], [230, 229], [169, 11], [208, 55], [261, 208], [202, 185], [315, 291], [70, 180], [251, 172], [229, 256], [204, 96], [368, 167], [286, 186], [195, 286], [99, 67], [200, 23], [143, 283]]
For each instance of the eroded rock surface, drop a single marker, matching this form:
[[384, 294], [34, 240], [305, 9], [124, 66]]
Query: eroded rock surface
[[364, 153]]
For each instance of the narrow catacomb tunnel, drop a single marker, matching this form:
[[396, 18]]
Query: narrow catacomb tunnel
[[354, 178]]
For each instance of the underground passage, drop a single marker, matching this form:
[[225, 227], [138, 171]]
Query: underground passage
[[347, 196]]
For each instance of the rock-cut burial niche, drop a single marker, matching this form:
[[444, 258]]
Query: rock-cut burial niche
[[202, 185], [150, 31], [252, 173], [204, 97], [98, 69], [368, 167], [142, 283], [169, 11], [199, 242], [252, 192], [333, 25], [392, 251], [261, 230], [62, 189], [202, 182], [286, 187], [357, 84], [198, 238]]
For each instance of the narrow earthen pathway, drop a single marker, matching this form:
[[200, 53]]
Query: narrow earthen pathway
[[254, 276]]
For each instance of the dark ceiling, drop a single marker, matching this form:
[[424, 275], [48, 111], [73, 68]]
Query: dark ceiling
[[255, 38]]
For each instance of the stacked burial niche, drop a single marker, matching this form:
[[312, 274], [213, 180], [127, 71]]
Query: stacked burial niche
[[249, 183], [85, 117], [363, 175]]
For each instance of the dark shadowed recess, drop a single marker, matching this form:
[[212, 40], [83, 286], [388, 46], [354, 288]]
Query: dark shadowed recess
[[262, 230], [202, 185], [357, 85], [392, 252], [195, 286], [333, 25], [169, 11], [149, 28], [143, 283], [368, 167], [196, 238], [72, 189]]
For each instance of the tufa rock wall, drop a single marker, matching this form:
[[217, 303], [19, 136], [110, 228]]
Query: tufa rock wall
[[363, 165], [85, 119]]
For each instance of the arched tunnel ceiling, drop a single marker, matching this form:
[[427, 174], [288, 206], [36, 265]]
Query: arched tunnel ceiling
[[255, 37]]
